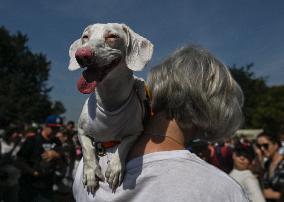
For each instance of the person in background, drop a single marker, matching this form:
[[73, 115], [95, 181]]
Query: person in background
[[37, 161], [63, 178], [273, 179], [10, 140], [221, 156], [193, 96], [281, 138], [9, 174], [70, 128], [243, 157], [78, 153], [200, 148]]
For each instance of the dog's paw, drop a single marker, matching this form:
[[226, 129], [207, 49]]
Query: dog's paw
[[114, 173], [91, 177]]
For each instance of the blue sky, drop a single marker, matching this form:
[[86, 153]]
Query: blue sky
[[237, 32]]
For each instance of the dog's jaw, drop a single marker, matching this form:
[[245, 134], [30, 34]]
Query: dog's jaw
[[93, 75], [85, 87]]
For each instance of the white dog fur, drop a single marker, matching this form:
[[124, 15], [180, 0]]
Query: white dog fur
[[115, 111]]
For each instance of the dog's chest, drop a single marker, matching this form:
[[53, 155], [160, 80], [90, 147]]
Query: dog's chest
[[105, 126]]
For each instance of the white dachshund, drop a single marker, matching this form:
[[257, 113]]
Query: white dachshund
[[109, 53]]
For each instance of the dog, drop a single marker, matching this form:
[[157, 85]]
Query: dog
[[113, 113]]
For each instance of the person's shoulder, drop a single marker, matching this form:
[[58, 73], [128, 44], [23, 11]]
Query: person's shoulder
[[213, 181], [30, 138], [186, 175], [211, 173], [186, 166], [200, 175]]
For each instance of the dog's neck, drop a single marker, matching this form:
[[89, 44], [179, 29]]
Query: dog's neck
[[115, 89]]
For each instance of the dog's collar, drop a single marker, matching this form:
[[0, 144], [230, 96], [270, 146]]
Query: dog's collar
[[101, 147], [110, 144]]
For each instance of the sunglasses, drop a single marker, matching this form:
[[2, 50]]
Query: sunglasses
[[265, 146]]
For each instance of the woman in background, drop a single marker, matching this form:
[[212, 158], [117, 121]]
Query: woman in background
[[273, 179], [243, 157]]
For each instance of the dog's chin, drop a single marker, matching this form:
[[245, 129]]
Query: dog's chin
[[93, 75]]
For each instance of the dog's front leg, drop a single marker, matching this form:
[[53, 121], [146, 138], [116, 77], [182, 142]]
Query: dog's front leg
[[91, 169], [115, 170]]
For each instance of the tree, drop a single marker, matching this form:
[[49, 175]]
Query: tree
[[264, 105], [269, 113], [23, 79]]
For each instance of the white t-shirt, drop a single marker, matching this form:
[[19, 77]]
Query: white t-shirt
[[169, 176], [5, 148], [250, 184]]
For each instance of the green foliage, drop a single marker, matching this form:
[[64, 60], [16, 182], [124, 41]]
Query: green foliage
[[23, 80], [264, 105], [269, 113]]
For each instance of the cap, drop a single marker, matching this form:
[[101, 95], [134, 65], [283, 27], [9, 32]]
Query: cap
[[245, 150], [54, 121]]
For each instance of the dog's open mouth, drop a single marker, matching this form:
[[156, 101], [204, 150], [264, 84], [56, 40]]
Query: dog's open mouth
[[93, 75]]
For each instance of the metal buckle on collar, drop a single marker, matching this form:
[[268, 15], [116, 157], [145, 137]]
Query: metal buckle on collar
[[100, 150]]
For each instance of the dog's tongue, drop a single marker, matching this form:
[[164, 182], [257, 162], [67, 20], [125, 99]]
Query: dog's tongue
[[88, 81], [85, 87]]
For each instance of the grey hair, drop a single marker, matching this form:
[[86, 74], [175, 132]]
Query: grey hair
[[197, 90]]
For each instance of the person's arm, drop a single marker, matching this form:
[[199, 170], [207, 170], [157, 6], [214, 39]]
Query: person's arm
[[254, 190], [54, 153], [278, 181], [24, 155], [271, 194], [50, 155]]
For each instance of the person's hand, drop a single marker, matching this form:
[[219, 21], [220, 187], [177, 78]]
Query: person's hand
[[270, 194], [49, 155], [259, 153]]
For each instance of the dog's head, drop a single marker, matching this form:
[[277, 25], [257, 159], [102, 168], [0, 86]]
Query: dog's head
[[102, 47]]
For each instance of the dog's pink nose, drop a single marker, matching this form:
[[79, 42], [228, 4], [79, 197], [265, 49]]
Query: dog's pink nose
[[84, 55]]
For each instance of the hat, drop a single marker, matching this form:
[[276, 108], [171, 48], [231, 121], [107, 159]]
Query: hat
[[54, 121], [246, 150]]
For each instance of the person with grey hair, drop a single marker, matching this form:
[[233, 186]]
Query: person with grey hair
[[193, 96]]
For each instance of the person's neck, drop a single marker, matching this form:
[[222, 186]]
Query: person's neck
[[160, 126], [241, 169], [160, 134]]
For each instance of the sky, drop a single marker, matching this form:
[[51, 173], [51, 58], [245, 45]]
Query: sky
[[237, 32]]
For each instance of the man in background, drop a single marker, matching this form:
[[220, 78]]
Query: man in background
[[37, 161]]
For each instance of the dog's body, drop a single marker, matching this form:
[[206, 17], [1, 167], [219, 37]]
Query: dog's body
[[114, 113]]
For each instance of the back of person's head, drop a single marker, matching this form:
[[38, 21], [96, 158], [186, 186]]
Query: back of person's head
[[197, 90]]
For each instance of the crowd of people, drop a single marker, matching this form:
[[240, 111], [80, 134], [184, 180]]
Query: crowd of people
[[256, 164], [38, 163]]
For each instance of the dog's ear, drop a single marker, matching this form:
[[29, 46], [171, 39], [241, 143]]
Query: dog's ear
[[73, 64], [139, 50]]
